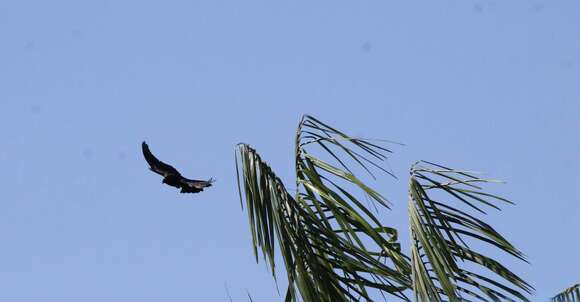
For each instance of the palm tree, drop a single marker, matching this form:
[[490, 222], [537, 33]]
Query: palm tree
[[336, 248], [571, 294]]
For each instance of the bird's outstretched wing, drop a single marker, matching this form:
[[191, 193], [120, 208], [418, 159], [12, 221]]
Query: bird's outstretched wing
[[195, 186], [156, 165]]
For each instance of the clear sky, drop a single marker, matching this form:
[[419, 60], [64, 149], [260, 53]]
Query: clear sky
[[491, 86]]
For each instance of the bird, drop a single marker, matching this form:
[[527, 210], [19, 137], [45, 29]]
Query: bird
[[171, 176]]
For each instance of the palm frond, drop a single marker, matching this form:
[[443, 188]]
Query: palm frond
[[440, 233], [334, 248], [571, 294]]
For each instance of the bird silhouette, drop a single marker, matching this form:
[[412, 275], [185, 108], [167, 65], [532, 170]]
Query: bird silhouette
[[171, 176]]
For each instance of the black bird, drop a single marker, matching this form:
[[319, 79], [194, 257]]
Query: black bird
[[171, 176]]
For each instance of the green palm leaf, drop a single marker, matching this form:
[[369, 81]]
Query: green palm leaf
[[440, 232], [333, 247], [571, 294]]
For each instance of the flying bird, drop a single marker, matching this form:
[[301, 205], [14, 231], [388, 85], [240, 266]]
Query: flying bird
[[171, 176]]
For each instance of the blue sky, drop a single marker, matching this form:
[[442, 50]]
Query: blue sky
[[481, 85]]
